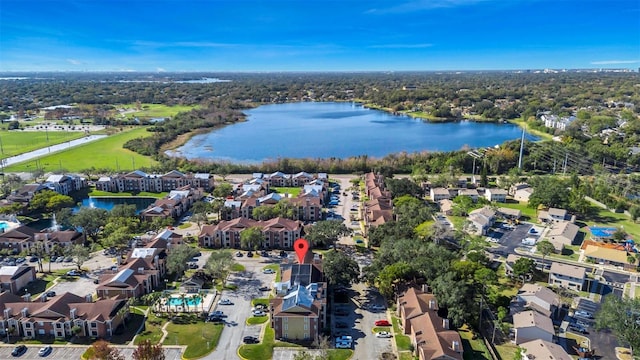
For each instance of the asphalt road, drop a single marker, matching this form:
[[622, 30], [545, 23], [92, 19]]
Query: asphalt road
[[367, 345], [248, 282]]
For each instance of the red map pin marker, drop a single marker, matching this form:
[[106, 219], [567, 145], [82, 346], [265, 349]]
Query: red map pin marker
[[301, 246]]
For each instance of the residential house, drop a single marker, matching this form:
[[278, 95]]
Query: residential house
[[536, 297], [19, 239], [299, 310], [191, 285], [378, 209], [496, 195], [301, 178], [508, 264], [562, 234], [26, 239], [14, 278], [60, 315], [471, 193], [532, 325], [438, 194], [510, 214], [278, 233], [481, 220], [553, 214], [521, 192], [173, 205], [541, 349], [607, 254], [430, 333], [567, 276], [65, 184], [446, 206], [278, 179]]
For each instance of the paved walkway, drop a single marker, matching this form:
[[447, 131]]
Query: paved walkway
[[49, 149]]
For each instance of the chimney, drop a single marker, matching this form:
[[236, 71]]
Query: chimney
[[7, 311], [455, 346], [72, 313], [88, 298], [445, 323], [26, 297], [432, 304], [25, 312], [140, 270]]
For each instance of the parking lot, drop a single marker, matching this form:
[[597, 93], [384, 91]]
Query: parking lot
[[80, 285], [602, 341], [248, 283], [58, 352]]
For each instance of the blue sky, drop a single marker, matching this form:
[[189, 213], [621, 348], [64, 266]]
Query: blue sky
[[314, 35]]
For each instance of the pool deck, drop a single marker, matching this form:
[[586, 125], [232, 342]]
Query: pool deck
[[203, 306]]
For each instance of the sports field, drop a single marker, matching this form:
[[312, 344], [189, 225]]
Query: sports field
[[104, 153], [155, 110], [18, 142]]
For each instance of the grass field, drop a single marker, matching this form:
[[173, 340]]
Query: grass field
[[529, 214], [199, 337], [294, 191], [155, 110], [603, 217], [98, 193], [104, 153], [20, 142], [473, 348]]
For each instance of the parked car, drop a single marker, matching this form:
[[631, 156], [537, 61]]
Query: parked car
[[73, 273], [193, 265], [345, 338], [378, 307], [250, 340], [68, 259], [343, 345], [33, 259], [283, 253], [383, 334], [45, 350], [249, 254], [258, 313], [217, 313], [268, 271], [382, 323], [60, 259], [584, 314], [578, 329], [50, 293], [341, 325], [263, 253], [239, 254], [19, 350], [224, 302], [264, 288]]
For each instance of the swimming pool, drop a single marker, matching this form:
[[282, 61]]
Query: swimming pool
[[176, 301], [3, 225]]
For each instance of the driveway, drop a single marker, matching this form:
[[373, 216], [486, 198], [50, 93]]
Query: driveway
[[248, 282], [81, 286], [367, 345], [58, 352]]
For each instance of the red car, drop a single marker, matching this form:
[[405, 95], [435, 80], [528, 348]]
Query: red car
[[382, 323]]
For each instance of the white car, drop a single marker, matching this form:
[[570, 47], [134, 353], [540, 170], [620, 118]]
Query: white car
[[584, 314], [268, 271], [224, 302], [258, 313], [383, 334]]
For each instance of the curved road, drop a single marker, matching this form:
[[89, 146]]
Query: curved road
[[49, 149]]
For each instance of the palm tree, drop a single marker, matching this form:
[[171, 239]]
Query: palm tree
[[183, 298]]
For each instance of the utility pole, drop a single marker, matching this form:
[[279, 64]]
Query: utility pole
[[566, 158]]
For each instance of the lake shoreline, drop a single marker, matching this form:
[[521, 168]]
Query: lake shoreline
[[333, 125]]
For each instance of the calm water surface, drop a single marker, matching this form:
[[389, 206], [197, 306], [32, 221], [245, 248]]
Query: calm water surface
[[324, 130]]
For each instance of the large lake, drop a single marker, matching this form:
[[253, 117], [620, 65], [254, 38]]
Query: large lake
[[330, 129]]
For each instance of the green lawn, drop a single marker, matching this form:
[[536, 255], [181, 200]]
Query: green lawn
[[340, 354], [199, 337], [603, 217], [473, 348], [403, 342], [261, 301], [237, 267], [257, 320], [507, 351], [98, 193], [152, 329], [20, 142], [104, 153], [156, 110], [276, 268], [294, 191], [405, 355], [457, 221]]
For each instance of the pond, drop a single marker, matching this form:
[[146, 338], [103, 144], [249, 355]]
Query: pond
[[108, 203], [341, 130]]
